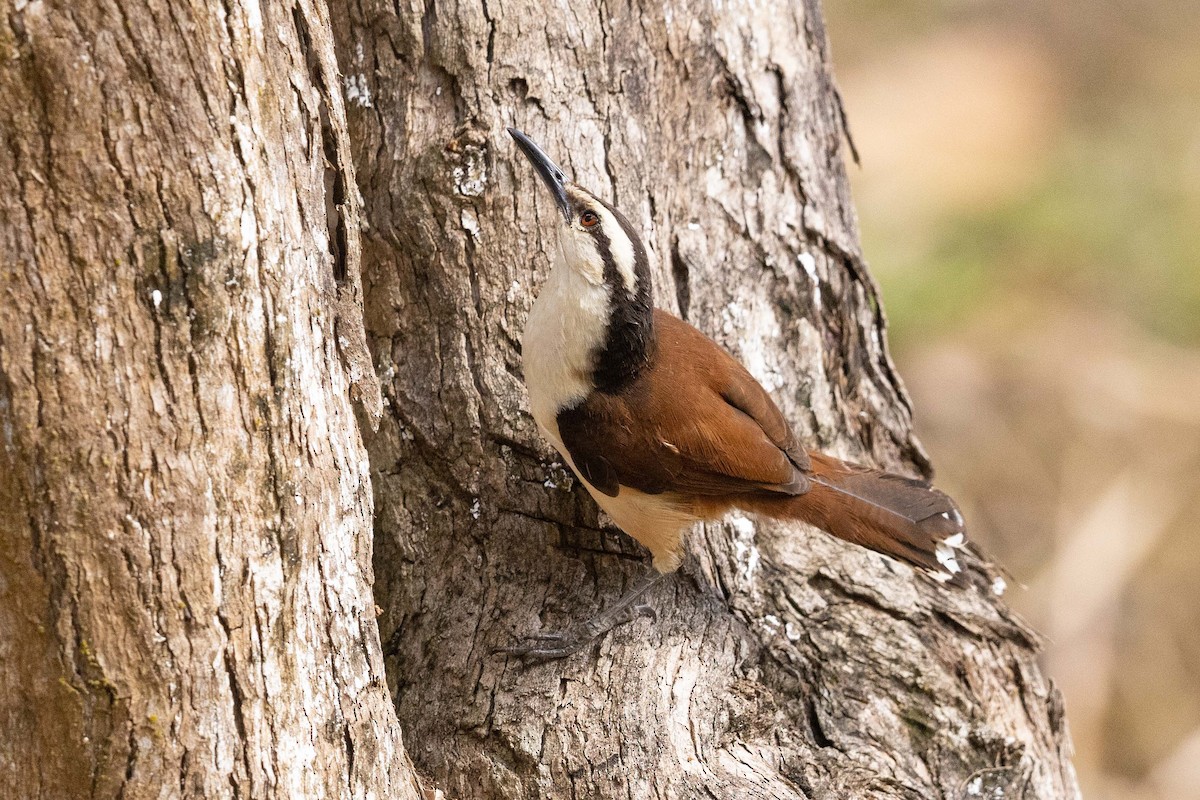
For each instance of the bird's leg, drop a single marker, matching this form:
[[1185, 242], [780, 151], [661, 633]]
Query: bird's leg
[[558, 644]]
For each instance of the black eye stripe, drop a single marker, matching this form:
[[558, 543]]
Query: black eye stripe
[[628, 341]]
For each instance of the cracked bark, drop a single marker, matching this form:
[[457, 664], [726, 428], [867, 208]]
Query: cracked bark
[[186, 502], [185, 508], [783, 664]]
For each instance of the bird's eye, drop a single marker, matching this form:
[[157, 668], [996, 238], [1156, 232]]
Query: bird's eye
[[587, 219]]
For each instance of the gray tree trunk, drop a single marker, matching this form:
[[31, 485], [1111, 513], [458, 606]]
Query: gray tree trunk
[[185, 499], [185, 504], [782, 663]]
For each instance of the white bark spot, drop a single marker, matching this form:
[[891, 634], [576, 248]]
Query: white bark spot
[[470, 222], [744, 549], [810, 268], [470, 177], [357, 91], [249, 229], [559, 476]]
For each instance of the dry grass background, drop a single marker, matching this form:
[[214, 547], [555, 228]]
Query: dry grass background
[[1030, 201]]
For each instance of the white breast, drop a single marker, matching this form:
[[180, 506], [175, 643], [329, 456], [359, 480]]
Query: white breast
[[565, 329]]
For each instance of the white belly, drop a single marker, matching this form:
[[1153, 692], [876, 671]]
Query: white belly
[[658, 521]]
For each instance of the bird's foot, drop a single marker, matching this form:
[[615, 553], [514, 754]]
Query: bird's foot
[[550, 645], [639, 610], [560, 644]]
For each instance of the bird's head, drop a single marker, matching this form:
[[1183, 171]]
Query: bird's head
[[594, 238]]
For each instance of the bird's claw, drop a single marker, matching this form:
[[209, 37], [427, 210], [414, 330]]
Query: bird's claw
[[642, 610], [555, 644], [559, 644]]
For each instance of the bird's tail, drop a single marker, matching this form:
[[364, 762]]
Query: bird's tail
[[902, 517]]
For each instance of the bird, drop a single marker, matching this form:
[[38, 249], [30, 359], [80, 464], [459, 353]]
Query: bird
[[664, 428]]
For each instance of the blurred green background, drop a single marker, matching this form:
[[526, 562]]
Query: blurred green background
[[1029, 198]]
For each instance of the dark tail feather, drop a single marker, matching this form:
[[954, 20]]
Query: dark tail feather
[[902, 517]]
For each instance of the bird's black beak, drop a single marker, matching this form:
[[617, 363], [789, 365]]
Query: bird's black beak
[[555, 179]]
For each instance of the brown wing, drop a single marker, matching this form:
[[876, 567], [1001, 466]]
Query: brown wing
[[694, 421]]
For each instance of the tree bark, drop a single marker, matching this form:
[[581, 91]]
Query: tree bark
[[782, 663], [186, 500], [185, 507]]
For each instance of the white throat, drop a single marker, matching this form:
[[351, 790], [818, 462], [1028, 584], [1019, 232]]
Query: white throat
[[566, 328]]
